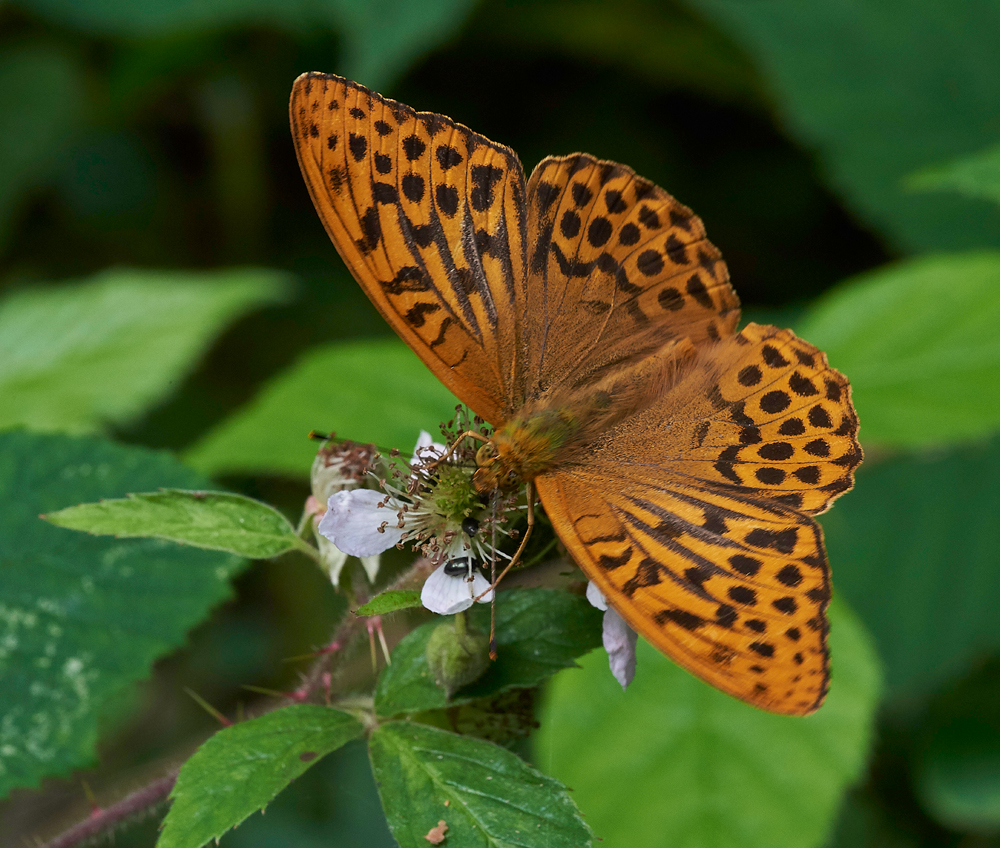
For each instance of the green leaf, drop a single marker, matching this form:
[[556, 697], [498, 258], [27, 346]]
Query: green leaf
[[879, 90], [919, 343], [959, 778], [977, 175], [375, 391], [674, 756], [538, 632], [495, 800], [242, 768], [381, 37], [659, 42], [398, 599], [105, 350], [915, 549], [218, 521], [41, 95], [956, 770], [161, 17], [506, 719], [82, 617]]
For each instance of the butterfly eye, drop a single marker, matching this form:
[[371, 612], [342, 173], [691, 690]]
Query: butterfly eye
[[486, 454]]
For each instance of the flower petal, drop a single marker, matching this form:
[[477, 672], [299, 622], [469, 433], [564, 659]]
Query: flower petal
[[447, 594], [354, 519], [479, 585], [596, 596], [619, 642]]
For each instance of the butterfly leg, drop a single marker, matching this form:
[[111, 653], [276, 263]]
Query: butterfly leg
[[530, 492]]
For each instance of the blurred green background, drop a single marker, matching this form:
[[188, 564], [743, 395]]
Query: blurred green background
[[145, 150]]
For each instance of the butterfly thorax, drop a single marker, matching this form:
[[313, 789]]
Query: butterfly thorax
[[558, 426], [524, 448]]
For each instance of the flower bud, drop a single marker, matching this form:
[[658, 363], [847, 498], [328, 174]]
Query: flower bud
[[457, 655], [340, 465]]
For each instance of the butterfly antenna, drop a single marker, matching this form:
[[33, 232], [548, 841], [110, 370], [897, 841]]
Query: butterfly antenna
[[317, 436], [493, 577]]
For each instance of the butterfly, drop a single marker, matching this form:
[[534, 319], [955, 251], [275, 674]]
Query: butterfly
[[583, 313]]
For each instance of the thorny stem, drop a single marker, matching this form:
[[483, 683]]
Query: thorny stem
[[351, 625], [104, 821]]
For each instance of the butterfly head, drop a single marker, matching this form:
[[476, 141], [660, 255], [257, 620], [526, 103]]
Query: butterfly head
[[494, 471], [522, 449]]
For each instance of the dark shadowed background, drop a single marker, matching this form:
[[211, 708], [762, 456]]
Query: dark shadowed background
[[812, 139]]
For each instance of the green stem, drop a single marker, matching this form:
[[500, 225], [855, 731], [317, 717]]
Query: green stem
[[304, 547], [304, 530]]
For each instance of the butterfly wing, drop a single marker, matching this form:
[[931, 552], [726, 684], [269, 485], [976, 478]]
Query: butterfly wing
[[617, 269], [429, 217], [766, 417], [713, 602], [691, 515]]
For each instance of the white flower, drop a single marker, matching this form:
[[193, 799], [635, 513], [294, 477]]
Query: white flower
[[435, 507], [619, 639], [362, 522], [427, 450], [455, 584], [339, 466], [357, 522]]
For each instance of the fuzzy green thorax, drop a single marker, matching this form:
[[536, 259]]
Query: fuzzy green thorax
[[523, 448]]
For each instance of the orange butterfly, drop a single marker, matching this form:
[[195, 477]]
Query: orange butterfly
[[586, 317]]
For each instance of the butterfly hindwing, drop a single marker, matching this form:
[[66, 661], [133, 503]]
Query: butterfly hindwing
[[761, 415], [691, 514], [429, 217], [617, 267], [732, 590]]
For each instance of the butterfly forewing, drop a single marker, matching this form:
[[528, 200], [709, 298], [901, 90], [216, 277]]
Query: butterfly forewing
[[617, 268], [428, 215], [734, 591]]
